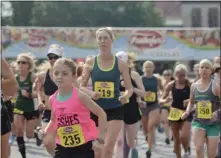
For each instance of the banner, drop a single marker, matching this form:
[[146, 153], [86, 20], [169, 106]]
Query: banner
[[148, 43]]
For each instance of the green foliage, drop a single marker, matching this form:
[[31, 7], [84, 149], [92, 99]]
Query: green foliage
[[84, 14]]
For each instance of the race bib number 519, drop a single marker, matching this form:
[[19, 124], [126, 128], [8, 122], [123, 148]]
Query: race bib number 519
[[105, 88]]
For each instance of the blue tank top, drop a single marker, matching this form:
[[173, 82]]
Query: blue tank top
[[206, 104], [108, 83], [150, 84]]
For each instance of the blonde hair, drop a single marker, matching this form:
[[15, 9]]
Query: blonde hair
[[196, 65], [44, 66], [13, 66], [108, 30], [89, 57], [180, 67], [30, 60], [131, 59], [67, 62], [147, 62], [208, 62]]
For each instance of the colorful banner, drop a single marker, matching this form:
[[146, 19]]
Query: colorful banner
[[148, 43]]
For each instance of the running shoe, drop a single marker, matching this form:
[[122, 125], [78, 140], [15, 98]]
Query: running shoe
[[148, 153], [12, 139], [167, 141], [134, 153], [38, 140]]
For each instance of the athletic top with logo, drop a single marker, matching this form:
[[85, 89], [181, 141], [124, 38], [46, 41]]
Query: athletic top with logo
[[108, 83], [73, 123], [150, 84], [49, 86], [24, 104], [179, 95], [206, 104], [133, 99]]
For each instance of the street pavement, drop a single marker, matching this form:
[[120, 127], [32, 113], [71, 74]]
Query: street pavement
[[161, 150]]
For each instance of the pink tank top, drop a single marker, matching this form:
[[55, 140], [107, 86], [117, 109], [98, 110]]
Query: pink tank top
[[73, 123]]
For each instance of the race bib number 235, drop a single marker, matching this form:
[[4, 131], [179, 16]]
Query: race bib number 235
[[71, 136]]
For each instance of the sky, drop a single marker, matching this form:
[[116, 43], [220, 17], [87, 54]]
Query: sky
[[6, 9]]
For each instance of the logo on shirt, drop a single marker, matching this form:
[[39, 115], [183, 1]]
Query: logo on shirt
[[104, 85], [68, 130], [61, 110]]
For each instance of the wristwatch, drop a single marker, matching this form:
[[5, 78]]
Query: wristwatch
[[100, 140]]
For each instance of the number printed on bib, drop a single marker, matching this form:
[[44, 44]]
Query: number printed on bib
[[167, 104], [105, 88], [175, 114], [204, 109], [150, 98], [71, 136], [17, 111]]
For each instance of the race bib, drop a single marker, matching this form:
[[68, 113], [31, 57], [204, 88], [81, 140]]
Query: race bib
[[71, 136], [17, 111], [105, 88], [175, 114], [167, 104], [204, 109], [13, 100], [122, 93], [150, 98]]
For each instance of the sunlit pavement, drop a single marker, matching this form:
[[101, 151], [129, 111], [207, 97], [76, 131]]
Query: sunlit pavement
[[161, 150]]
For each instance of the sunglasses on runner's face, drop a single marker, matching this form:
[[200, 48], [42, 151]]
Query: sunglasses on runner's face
[[217, 69], [22, 62], [55, 57]]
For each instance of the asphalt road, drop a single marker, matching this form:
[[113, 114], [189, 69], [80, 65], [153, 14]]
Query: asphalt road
[[161, 150]]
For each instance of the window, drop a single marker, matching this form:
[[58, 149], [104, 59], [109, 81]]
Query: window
[[213, 17], [196, 17]]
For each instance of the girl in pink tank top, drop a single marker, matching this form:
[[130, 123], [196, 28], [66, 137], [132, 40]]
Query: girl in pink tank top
[[76, 133]]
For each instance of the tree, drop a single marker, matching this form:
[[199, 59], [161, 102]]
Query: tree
[[22, 12], [85, 14]]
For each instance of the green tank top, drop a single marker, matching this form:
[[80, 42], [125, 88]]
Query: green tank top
[[206, 104], [150, 84], [23, 103], [108, 83]]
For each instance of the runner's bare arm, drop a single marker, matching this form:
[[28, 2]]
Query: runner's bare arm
[[87, 68], [39, 85], [192, 98], [140, 87], [165, 96], [95, 109], [9, 84], [51, 127], [216, 89], [124, 70], [159, 84], [34, 86]]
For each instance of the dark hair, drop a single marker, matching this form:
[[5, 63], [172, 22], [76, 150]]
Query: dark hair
[[79, 70]]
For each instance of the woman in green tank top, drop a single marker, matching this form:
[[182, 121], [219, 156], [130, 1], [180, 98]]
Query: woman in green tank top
[[204, 94], [24, 108], [105, 70]]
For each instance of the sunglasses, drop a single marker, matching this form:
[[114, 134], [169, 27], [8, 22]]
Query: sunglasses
[[22, 62], [217, 69], [51, 57]]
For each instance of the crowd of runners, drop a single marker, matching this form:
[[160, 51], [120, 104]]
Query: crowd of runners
[[83, 110]]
